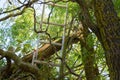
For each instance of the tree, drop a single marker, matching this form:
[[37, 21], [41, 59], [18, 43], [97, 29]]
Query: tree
[[95, 17], [111, 28], [107, 31]]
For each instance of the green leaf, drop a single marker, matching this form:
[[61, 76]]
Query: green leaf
[[18, 49], [90, 40], [19, 41], [27, 45], [24, 50]]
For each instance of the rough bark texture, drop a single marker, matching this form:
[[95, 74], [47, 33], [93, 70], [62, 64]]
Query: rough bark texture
[[91, 71], [91, 68], [88, 58], [109, 28], [26, 67], [107, 31]]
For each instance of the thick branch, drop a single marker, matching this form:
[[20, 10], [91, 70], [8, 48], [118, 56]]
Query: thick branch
[[86, 18], [48, 49], [22, 65]]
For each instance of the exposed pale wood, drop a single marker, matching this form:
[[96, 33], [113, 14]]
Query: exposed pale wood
[[48, 49]]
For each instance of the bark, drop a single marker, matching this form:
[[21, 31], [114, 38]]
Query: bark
[[88, 59], [48, 50], [26, 67], [91, 69], [109, 28], [44, 52]]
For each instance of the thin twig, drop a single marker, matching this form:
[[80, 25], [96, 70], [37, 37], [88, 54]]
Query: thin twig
[[49, 18]]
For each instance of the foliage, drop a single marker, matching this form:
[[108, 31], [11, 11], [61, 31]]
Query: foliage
[[17, 35]]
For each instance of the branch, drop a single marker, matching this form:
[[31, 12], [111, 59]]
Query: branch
[[13, 15], [22, 65], [86, 18], [48, 49], [24, 6], [47, 63]]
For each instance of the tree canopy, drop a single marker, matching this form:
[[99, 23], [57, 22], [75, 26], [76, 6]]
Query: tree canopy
[[59, 39]]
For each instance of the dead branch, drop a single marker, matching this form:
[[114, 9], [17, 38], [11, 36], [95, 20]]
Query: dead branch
[[48, 50]]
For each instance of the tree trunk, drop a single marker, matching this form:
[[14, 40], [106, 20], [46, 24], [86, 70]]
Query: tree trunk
[[109, 28], [91, 68], [88, 57]]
